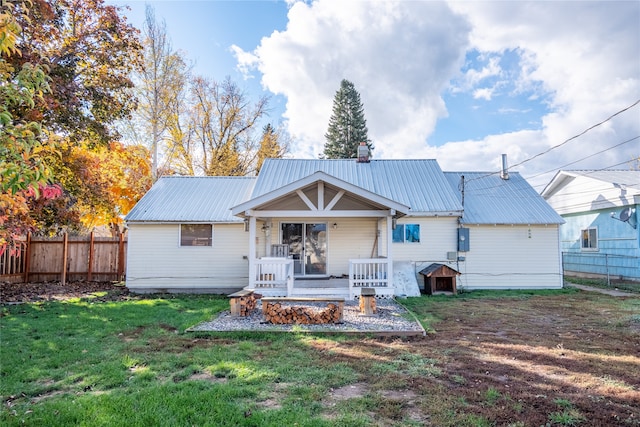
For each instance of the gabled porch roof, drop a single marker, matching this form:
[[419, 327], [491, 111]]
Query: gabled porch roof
[[320, 206]]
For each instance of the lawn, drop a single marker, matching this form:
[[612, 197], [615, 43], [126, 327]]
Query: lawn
[[560, 358]]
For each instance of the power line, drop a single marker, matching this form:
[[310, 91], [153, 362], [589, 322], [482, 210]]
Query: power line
[[483, 191], [585, 158], [568, 164], [564, 142]]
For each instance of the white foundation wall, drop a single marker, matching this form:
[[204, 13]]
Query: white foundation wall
[[511, 257], [156, 262]]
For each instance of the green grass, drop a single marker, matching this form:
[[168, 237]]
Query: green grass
[[628, 286], [131, 363]]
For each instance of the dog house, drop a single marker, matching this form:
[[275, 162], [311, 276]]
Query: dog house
[[439, 278]]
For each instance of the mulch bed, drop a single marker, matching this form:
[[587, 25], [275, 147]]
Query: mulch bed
[[14, 293]]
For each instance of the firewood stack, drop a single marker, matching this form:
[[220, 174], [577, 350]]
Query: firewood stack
[[248, 303], [243, 303], [282, 314]]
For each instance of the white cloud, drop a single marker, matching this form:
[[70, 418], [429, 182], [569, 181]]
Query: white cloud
[[402, 56], [472, 77], [399, 55], [585, 54], [484, 93]]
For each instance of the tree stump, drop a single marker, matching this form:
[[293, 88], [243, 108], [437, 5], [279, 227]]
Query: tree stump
[[368, 301]]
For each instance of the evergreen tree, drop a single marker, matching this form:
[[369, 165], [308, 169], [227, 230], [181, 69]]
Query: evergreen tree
[[347, 125]]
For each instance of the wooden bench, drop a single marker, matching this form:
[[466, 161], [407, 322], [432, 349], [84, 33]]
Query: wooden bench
[[241, 303], [271, 309], [367, 301]]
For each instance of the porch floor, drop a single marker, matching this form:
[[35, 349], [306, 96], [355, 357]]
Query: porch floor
[[321, 287], [321, 283]]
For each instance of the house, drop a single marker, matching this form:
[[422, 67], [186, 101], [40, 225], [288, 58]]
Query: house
[[601, 237], [315, 227]]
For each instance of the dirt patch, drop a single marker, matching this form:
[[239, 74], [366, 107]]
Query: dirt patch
[[12, 293], [543, 360], [204, 376], [349, 391]]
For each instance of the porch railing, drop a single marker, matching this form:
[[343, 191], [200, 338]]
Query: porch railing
[[274, 273], [370, 273]]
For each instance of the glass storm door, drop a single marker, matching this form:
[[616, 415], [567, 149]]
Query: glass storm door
[[308, 247]]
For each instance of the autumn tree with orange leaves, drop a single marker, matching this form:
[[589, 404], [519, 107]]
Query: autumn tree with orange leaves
[[64, 83]]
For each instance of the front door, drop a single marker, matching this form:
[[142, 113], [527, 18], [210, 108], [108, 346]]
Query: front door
[[308, 247]]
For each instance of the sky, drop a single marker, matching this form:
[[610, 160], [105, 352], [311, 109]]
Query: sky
[[461, 82]]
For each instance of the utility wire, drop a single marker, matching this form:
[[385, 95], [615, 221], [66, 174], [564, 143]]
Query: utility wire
[[585, 158], [564, 142], [483, 191]]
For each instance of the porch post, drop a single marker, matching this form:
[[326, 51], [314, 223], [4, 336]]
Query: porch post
[[267, 237], [252, 252], [390, 252]]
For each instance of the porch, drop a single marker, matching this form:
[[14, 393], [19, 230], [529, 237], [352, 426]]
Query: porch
[[275, 277]]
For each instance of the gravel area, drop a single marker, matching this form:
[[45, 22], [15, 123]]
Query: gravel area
[[391, 319]]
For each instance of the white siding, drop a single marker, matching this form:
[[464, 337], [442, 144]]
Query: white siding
[[354, 238], [438, 236], [155, 260], [512, 257]]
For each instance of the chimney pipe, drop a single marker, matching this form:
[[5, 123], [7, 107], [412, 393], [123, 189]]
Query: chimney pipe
[[363, 153], [504, 174]]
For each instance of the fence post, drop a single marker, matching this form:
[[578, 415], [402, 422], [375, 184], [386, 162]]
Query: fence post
[[89, 267], [120, 257], [27, 259], [606, 264], [64, 259]]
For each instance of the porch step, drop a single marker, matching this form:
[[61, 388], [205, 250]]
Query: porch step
[[321, 292], [303, 292]]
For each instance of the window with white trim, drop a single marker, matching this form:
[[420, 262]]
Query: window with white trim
[[196, 235], [589, 239], [406, 233]]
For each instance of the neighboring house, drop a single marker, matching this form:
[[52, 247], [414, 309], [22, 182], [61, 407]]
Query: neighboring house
[[345, 224], [601, 237]]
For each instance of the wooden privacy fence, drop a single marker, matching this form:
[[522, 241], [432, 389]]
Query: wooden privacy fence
[[65, 258]]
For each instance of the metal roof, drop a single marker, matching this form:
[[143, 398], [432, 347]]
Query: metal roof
[[419, 184], [192, 199], [489, 199], [626, 178]]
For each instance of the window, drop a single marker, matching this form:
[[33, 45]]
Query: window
[[589, 239], [406, 233], [196, 235]]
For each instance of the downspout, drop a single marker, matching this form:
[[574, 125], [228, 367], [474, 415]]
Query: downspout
[[252, 252], [389, 252], [462, 183]]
